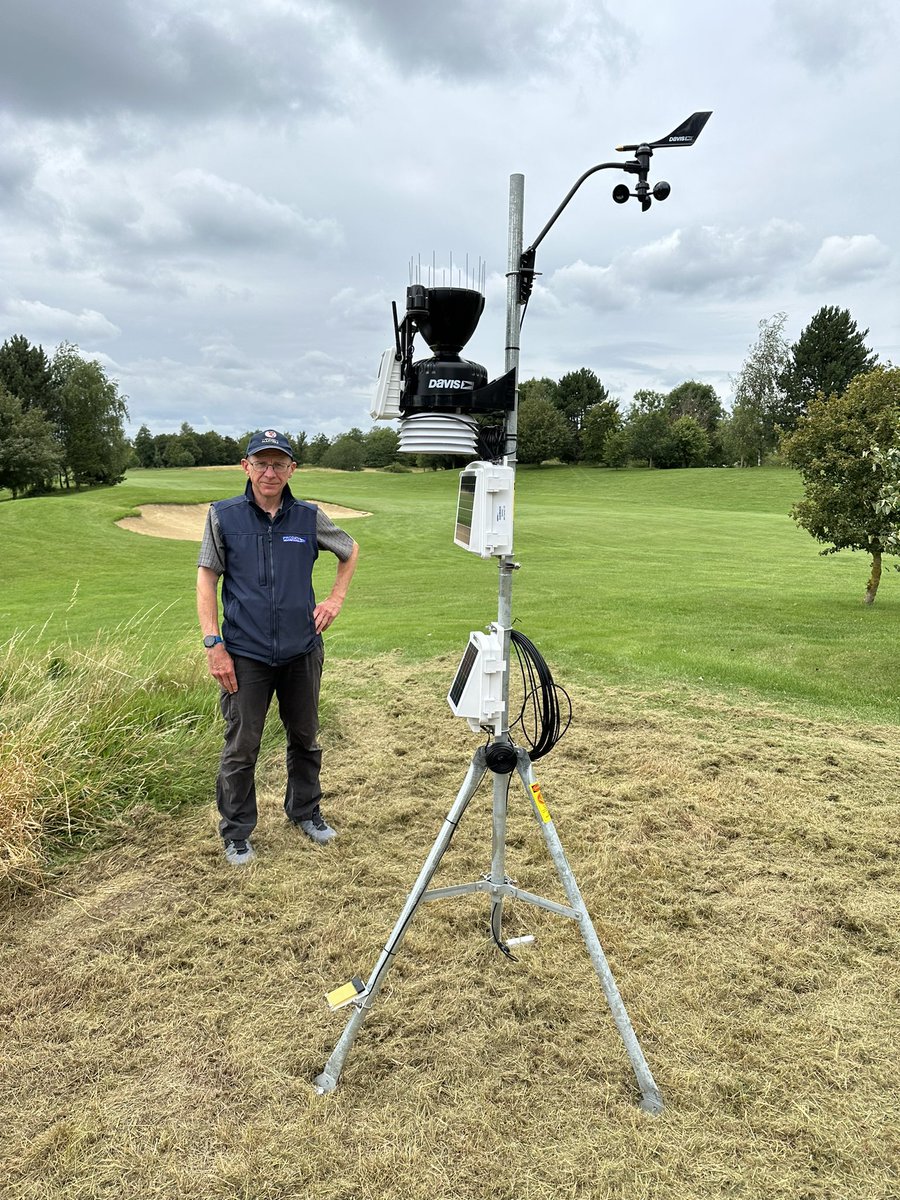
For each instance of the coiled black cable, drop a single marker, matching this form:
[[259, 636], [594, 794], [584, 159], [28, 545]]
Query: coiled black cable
[[492, 442], [541, 702]]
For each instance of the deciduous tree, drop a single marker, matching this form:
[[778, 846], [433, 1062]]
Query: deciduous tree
[[89, 419], [690, 443], [759, 391], [542, 431], [696, 400], [346, 453], [841, 448], [29, 455], [317, 449], [380, 446]]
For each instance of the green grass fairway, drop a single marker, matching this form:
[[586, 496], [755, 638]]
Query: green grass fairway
[[726, 797], [692, 577]]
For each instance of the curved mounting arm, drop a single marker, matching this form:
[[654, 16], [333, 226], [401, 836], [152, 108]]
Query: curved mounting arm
[[685, 135], [638, 166], [572, 190]]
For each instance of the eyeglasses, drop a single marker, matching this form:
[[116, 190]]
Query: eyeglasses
[[260, 467]]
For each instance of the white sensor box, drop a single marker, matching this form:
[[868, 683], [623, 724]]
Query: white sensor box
[[386, 405], [484, 509], [477, 690]]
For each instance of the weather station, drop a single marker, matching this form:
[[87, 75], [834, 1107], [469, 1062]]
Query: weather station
[[447, 405]]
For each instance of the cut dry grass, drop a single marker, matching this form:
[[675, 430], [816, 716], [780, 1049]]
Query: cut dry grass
[[164, 1012]]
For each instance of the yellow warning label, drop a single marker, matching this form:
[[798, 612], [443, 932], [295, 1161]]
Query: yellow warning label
[[539, 801], [344, 994]]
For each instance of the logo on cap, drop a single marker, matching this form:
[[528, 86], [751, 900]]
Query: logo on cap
[[270, 433]]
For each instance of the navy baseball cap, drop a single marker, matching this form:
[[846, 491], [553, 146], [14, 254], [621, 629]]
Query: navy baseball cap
[[269, 439]]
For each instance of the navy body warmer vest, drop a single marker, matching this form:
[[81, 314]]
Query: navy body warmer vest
[[267, 593]]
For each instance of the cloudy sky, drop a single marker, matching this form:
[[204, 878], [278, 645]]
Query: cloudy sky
[[219, 200]]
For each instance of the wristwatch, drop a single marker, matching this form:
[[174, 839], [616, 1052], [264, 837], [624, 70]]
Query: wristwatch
[[212, 639]]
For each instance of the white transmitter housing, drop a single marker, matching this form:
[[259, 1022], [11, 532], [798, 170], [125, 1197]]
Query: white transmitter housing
[[477, 690], [386, 405], [484, 509]]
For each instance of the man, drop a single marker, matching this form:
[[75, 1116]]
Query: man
[[263, 545]]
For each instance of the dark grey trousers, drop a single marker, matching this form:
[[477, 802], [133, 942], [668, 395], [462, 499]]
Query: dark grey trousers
[[296, 684]]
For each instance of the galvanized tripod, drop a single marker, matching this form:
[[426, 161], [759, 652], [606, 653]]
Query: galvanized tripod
[[498, 887]]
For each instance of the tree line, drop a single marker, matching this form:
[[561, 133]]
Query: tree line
[[351, 451], [574, 419], [61, 419]]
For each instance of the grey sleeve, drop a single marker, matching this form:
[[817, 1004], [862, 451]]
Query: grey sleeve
[[330, 537], [212, 548]]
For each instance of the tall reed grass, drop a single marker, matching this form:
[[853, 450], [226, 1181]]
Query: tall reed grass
[[87, 734]]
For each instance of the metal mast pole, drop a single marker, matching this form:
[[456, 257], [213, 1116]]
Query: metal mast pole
[[506, 564]]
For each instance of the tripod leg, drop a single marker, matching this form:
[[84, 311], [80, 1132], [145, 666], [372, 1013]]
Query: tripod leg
[[498, 854], [328, 1080], [651, 1100]]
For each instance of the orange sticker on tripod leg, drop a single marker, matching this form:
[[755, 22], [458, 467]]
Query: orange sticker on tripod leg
[[539, 801]]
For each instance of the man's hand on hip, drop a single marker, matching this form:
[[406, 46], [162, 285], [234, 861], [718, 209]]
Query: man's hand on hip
[[325, 613], [221, 667]]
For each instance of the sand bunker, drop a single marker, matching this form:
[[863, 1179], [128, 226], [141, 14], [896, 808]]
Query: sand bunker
[[185, 522]]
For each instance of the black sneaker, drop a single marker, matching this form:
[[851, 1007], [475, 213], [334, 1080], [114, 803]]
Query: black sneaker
[[239, 852], [318, 829]]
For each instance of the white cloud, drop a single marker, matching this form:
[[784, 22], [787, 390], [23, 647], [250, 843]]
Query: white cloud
[[105, 58], [58, 324], [829, 35], [709, 259], [846, 260], [224, 213], [233, 189], [596, 288]]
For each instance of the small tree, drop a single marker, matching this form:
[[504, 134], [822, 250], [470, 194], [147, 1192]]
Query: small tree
[[759, 391], [298, 441], [617, 448], [690, 443], [145, 451], [843, 449], [650, 437], [743, 436], [696, 400]]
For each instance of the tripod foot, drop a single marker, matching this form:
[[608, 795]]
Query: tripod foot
[[324, 1083], [651, 1102]]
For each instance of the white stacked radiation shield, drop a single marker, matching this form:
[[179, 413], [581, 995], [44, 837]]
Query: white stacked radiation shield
[[438, 433]]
